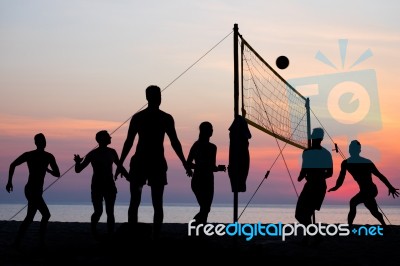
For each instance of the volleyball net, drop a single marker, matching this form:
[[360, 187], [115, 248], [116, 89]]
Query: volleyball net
[[269, 103]]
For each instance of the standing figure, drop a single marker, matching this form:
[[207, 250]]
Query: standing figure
[[317, 166], [148, 164], [38, 162], [103, 184], [204, 154], [362, 169]]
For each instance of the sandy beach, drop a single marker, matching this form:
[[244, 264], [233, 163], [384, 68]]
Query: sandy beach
[[72, 244]]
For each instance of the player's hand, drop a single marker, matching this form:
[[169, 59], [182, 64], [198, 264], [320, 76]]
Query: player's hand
[[9, 187], [77, 158], [124, 173], [118, 172], [188, 168], [189, 172], [394, 192]]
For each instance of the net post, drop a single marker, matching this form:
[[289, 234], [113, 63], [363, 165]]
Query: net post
[[236, 68], [236, 107], [308, 123], [309, 138]]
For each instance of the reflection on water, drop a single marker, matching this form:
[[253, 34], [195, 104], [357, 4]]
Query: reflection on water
[[219, 213]]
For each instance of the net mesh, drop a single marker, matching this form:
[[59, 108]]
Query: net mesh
[[270, 103]]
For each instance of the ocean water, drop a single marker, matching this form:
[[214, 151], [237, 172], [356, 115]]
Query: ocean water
[[178, 213]]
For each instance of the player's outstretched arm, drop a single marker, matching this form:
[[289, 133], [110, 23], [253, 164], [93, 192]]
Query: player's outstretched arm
[[392, 190]]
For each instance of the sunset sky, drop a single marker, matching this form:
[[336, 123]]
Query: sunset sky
[[71, 68]]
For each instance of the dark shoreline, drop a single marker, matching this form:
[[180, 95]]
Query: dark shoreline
[[70, 243]]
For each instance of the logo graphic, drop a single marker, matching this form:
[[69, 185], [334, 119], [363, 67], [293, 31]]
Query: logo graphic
[[345, 102]]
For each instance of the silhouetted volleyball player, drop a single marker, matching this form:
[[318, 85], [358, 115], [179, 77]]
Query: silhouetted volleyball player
[[148, 164], [38, 162], [317, 166], [103, 184], [203, 153], [362, 170]]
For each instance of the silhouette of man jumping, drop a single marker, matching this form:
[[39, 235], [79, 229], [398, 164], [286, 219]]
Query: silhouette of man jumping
[[38, 162], [103, 184], [362, 170], [148, 164]]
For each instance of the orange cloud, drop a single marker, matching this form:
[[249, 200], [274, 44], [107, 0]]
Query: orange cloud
[[59, 128]]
